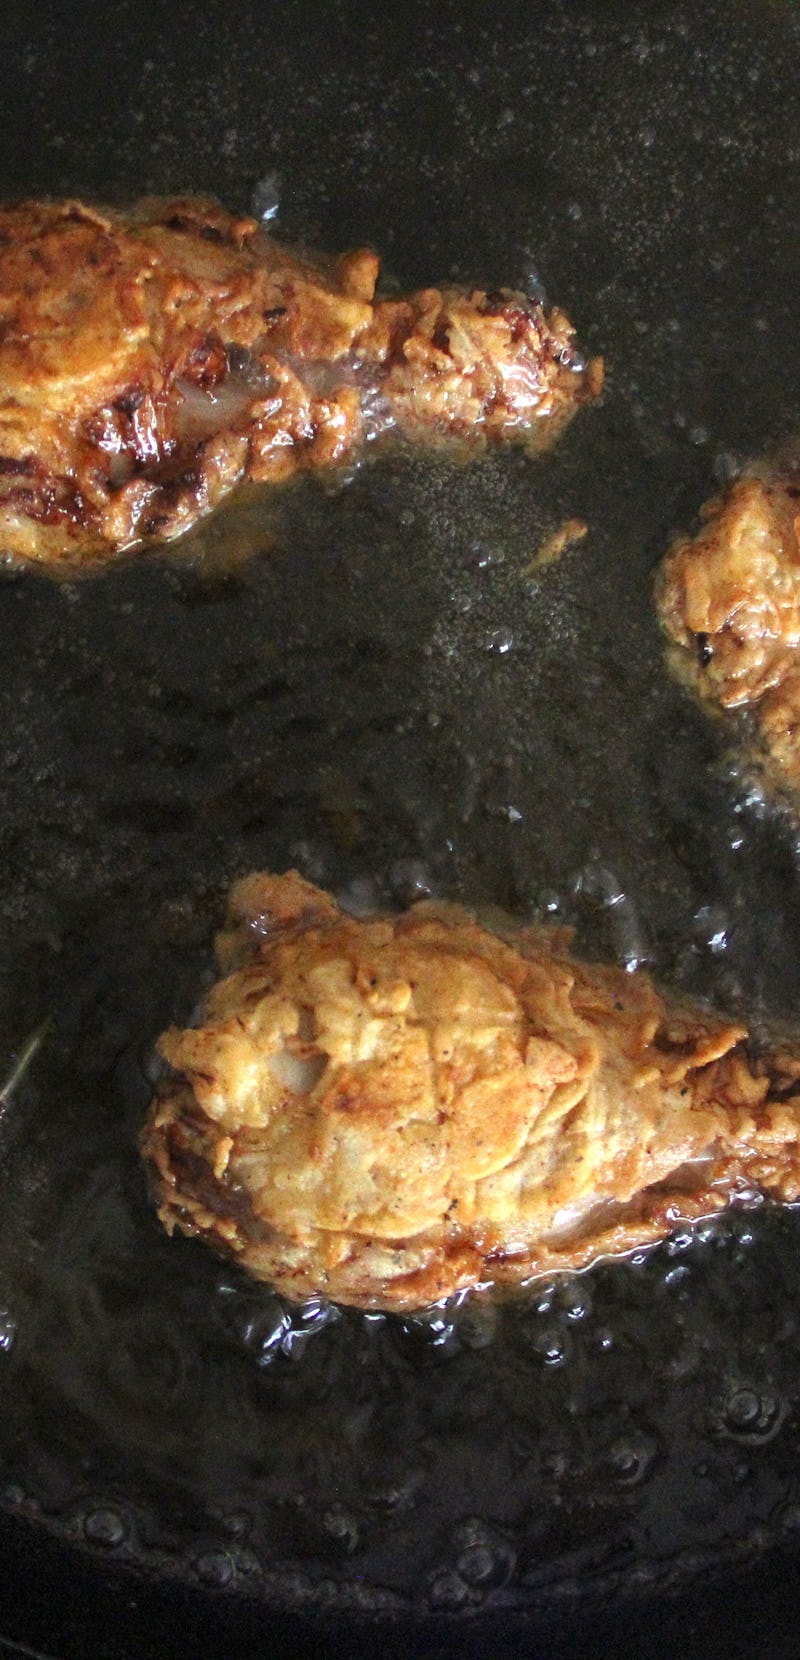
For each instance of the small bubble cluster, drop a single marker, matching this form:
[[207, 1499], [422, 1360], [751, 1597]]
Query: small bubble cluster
[[267, 1327], [471, 1320], [481, 1560]]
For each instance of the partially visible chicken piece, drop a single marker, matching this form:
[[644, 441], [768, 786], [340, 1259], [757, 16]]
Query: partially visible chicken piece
[[151, 360], [385, 1111], [729, 600]]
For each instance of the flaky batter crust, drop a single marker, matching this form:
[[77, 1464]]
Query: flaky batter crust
[[151, 360], [729, 599], [384, 1111]]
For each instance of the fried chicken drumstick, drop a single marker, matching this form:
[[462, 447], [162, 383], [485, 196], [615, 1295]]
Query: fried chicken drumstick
[[151, 360], [729, 599], [385, 1111]]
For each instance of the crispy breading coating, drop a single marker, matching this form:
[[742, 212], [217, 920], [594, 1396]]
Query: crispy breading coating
[[384, 1111], [151, 360], [729, 599]]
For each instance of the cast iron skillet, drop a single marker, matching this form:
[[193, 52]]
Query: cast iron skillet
[[373, 684]]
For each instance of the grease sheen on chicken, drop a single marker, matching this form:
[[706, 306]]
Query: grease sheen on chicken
[[151, 360], [384, 1111], [729, 599]]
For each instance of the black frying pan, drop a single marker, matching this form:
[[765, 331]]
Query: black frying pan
[[373, 684]]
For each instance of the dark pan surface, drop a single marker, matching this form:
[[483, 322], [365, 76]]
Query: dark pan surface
[[371, 683]]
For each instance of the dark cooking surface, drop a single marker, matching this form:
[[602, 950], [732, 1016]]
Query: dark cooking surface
[[385, 695]]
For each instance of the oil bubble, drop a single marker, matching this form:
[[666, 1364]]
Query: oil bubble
[[480, 555], [545, 1296], [410, 881], [306, 1321], [435, 1330], [152, 1067], [499, 642], [630, 1459], [788, 1517], [486, 1560], [361, 896], [753, 1415], [105, 1526], [214, 1568], [676, 1276], [552, 1345], [506, 810], [477, 1325], [263, 1332], [448, 1590], [400, 1495], [8, 1329], [265, 199], [725, 467], [711, 929], [599, 885], [575, 1298], [342, 1529], [476, 1565]]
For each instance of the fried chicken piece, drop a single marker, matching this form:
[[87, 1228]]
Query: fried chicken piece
[[384, 1111], [151, 360], [729, 599]]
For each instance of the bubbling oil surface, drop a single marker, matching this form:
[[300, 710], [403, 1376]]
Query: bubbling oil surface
[[381, 686]]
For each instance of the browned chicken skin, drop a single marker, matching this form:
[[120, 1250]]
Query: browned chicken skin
[[386, 1111], [151, 360], [729, 600]]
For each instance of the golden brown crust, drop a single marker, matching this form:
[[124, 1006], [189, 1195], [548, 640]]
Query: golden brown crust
[[384, 1111], [729, 599], [151, 360]]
